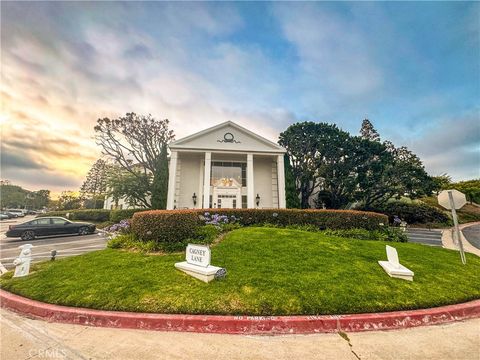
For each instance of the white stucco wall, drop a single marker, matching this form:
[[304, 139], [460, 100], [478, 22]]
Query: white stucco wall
[[262, 176], [188, 180]]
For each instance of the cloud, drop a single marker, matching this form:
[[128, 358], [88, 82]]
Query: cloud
[[452, 146], [332, 50], [18, 160]]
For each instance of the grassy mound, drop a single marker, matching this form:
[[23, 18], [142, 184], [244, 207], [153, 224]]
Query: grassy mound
[[271, 271]]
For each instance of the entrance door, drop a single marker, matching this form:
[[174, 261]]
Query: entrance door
[[227, 201]]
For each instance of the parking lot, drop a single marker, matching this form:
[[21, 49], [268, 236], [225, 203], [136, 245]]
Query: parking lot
[[70, 245]]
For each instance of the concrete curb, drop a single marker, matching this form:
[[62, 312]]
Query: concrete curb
[[267, 325], [447, 239]]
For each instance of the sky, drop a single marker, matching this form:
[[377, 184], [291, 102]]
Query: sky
[[412, 68]]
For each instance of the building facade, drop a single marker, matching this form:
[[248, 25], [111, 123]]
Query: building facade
[[226, 166]]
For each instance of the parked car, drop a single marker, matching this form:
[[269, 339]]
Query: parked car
[[9, 214], [31, 212], [49, 226], [18, 212], [3, 216]]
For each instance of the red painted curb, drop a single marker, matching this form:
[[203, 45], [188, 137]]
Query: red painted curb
[[240, 324]]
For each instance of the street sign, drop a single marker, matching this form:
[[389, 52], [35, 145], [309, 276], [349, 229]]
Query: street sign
[[454, 200], [459, 199]]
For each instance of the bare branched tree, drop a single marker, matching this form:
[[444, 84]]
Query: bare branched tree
[[137, 144]]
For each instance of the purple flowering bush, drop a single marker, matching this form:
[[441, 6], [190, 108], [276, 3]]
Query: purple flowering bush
[[218, 220], [123, 227]]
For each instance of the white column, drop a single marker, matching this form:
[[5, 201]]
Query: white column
[[206, 180], [172, 176], [250, 182], [281, 182]]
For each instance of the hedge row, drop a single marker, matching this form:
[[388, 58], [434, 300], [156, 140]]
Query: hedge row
[[178, 225], [99, 215], [412, 213]]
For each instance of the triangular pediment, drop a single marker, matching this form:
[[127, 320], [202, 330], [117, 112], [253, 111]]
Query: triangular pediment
[[227, 136]]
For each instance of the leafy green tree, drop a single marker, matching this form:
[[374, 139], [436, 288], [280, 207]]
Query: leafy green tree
[[368, 132], [135, 189], [94, 187], [441, 182], [160, 182], [291, 193], [322, 162], [40, 199], [341, 169], [301, 142], [12, 196], [137, 143], [390, 172], [69, 200], [471, 189]]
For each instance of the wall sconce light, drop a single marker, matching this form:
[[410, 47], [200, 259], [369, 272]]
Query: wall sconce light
[[194, 198], [258, 199]]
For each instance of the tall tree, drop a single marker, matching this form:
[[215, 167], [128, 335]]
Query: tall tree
[[137, 143], [301, 142], [94, 187], [69, 200], [160, 181], [390, 172], [368, 132], [291, 193]]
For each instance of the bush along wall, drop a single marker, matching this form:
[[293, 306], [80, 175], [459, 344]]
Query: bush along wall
[[413, 213], [99, 215], [84, 215], [178, 225]]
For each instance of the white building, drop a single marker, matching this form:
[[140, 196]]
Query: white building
[[225, 166]]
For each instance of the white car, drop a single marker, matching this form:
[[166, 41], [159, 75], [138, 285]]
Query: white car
[[18, 212], [3, 217]]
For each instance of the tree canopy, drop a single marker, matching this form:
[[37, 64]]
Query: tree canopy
[[137, 144], [338, 169], [14, 196], [94, 188]]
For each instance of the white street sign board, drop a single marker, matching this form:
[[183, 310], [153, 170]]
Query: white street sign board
[[198, 255], [459, 199]]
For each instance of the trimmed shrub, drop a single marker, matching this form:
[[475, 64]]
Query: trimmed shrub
[[98, 215], [172, 226], [84, 215], [165, 226], [385, 234], [413, 213], [118, 215]]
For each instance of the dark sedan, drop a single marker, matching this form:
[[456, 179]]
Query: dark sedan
[[49, 226]]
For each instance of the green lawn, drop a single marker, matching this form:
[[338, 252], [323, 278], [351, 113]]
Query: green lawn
[[270, 272]]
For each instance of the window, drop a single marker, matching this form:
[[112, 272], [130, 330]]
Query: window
[[43, 222], [228, 173], [58, 221], [234, 203], [244, 201]]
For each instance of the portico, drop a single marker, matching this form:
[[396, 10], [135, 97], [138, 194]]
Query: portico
[[226, 166]]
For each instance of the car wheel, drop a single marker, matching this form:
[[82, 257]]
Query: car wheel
[[28, 235], [84, 230]]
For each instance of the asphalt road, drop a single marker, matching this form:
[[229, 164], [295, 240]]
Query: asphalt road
[[70, 245], [472, 234]]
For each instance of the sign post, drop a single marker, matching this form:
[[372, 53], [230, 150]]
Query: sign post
[[454, 200]]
